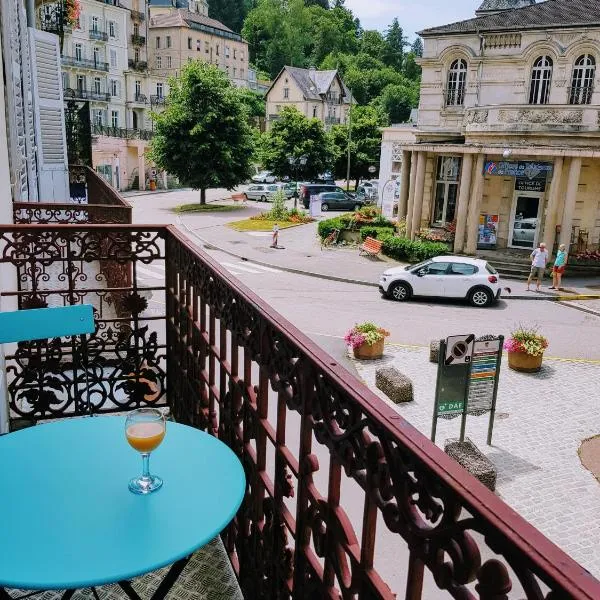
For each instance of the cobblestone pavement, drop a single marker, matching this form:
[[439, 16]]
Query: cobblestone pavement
[[541, 421]]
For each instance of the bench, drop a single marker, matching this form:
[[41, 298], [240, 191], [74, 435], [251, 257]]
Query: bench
[[371, 246], [239, 198]]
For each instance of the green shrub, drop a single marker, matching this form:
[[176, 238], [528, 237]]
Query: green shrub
[[327, 226], [375, 232], [278, 211], [404, 250]]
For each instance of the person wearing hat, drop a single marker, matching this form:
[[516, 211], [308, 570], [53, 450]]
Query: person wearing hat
[[560, 262], [539, 260]]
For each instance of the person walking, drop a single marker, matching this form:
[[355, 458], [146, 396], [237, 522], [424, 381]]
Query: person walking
[[539, 260], [275, 243], [560, 262]]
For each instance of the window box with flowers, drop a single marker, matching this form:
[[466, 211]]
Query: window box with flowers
[[367, 340], [525, 349]]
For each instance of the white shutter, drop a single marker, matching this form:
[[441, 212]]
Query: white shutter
[[50, 117]]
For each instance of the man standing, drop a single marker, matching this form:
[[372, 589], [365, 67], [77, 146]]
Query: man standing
[[539, 259]]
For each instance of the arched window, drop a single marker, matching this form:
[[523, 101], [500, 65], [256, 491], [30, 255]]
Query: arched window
[[582, 82], [457, 83], [541, 79]]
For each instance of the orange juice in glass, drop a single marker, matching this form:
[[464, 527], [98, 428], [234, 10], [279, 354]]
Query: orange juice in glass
[[145, 430]]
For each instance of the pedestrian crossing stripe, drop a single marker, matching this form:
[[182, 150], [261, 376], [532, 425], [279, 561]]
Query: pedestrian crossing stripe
[[157, 271]]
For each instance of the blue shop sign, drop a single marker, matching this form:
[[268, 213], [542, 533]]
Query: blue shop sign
[[528, 169]]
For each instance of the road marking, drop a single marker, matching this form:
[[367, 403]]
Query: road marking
[[249, 267]]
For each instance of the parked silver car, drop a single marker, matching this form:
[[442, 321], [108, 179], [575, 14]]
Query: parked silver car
[[261, 191]]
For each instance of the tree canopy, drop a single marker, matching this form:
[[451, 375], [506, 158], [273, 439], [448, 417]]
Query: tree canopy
[[230, 12], [294, 135], [203, 136]]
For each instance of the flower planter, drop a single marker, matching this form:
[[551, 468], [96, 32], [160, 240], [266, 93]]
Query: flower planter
[[525, 363], [366, 352]]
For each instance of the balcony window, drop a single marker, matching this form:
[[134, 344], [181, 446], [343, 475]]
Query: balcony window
[[98, 117], [80, 83], [159, 90], [446, 189], [114, 118], [582, 82], [114, 87], [79, 52], [457, 83], [138, 88], [95, 24], [541, 80], [97, 85], [136, 55]]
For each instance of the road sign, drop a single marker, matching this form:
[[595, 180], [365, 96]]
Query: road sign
[[459, 349]]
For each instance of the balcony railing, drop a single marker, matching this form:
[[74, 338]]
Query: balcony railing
[[138, 65], [137, 40], [157, 100], [140, 98], [120, 132], [332, 120], [345, 499], [137, 15], [83, 94], [73, 61], [96, 34]]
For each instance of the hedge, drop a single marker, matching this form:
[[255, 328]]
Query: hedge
[[404, 250], [375, 232], [352, 223], [327, 226]]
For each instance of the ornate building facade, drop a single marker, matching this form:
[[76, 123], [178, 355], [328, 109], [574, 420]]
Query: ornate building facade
[[507, 131]]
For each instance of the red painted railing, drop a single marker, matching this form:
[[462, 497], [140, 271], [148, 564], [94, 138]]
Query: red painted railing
[[344, 497]]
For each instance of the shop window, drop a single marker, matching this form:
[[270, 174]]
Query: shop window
[[446, 189], [457, 83], [582, 82], [541, 80]]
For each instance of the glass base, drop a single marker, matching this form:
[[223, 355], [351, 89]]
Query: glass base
[[145, 485]]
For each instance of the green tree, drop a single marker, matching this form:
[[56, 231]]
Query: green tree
[[397, 100], [373, 44], [230, 12], [411, 69], [365, 147], [394, 37], [417, 47], [321, 3], [294, 135], [254, 104], [331, 31], [203, 135]]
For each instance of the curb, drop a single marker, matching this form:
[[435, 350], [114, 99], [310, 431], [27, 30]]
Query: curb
[[212, 246]]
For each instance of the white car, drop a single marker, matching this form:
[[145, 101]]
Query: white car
[[264, 177], [444, 277]]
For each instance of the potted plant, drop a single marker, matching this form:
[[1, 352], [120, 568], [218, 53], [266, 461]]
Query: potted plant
[[366, 340], [525, 349]]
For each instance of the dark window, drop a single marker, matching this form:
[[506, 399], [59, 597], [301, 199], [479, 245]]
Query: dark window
[[462, 269], [457, 83], [541, 80], [446, 189], [582, 82], [437, 268], [189, 43]]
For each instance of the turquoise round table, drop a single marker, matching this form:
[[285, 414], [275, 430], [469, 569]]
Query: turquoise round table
[[68, 519]]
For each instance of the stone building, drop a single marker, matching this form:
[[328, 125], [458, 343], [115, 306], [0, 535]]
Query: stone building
[[506, 141], [181, 31], [316, 94]]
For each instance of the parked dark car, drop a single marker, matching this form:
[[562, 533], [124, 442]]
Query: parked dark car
[[314, 189], [339, 201]]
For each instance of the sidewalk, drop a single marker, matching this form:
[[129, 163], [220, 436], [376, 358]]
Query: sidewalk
[[302, 254]]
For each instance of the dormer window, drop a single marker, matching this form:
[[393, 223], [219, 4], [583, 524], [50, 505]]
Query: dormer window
[[457, 83]]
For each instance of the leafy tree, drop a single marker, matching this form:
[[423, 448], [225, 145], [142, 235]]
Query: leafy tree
[[411, 69], [394, 37], [417, 47], [254, 104], [397, 100], [333, 30], [294, 135], [365, 147], [230, 12], [203, 135], [321, 3], [373, 44]]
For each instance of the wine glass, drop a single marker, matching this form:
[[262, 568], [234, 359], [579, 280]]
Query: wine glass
[[145, 430]]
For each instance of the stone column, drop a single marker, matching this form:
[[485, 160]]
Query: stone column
[[141, 168], [553, 202], [414, 157], [571, 197], [404, 184], [463, 203], [418, 199], [475, 207]]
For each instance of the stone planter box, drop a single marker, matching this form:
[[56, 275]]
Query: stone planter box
[[395, 385], [525, 363], [366, 352], [352, 237]]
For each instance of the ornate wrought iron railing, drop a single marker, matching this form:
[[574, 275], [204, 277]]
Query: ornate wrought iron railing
[[121, 132], [73, 61], [344, 498], [138, 65]]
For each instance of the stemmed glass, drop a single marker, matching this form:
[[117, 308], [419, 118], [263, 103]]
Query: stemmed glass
[[145, 430]]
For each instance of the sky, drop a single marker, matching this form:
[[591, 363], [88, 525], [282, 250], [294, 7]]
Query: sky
[[413, 15]]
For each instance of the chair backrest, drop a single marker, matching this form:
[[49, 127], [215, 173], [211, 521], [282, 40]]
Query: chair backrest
[[45, 323]]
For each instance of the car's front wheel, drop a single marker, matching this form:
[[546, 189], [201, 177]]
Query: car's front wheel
[[324, 207], [399, 291], [480, 297], [263, 198]]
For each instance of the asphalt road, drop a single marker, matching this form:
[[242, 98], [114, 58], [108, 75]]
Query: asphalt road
[[325, 310]]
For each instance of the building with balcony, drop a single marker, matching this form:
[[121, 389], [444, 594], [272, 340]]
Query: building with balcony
[[507, 129], [182, 31], [316, 94]]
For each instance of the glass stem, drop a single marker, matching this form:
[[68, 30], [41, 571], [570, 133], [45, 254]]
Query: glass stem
[[146, 465]]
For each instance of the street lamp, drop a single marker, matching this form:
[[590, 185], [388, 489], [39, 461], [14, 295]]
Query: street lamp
[[296, 163]]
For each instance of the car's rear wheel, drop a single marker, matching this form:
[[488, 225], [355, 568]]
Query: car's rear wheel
[[399, 291], [263, 198], [480, 297], [324, 207]]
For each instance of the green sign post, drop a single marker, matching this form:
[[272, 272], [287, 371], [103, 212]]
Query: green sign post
[[467, 379]]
